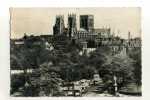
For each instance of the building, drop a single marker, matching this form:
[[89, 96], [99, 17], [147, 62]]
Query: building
[[59, 26], [72, 26], [87, 22], [103, 32], [89, 37], [133, 42]]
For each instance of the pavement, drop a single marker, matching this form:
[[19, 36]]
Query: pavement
[[92, 94]]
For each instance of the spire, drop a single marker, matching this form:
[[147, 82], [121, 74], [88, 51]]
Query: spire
[[129, 36]]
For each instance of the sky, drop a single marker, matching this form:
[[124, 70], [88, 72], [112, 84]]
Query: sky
[[40, 21]]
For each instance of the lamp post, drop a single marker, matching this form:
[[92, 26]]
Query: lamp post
[[26, 89], [116, 85]]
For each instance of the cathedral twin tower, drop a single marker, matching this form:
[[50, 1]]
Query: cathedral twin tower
[[86, 23]]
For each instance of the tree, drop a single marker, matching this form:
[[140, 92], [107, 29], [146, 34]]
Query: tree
[[99, 57], [30, 55], [17, 81], [136, 55], [121, 67], [45, 79]]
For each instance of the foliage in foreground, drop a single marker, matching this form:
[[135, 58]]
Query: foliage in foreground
[[51, 69]]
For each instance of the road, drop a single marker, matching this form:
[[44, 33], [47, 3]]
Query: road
[[91, 92]]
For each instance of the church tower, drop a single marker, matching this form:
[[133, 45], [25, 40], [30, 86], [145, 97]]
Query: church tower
[[59, 25], [72, 26]]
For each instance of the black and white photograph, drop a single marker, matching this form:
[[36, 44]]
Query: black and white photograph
[[75, 52]]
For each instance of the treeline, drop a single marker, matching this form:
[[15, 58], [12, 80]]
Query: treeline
[[52, 67]]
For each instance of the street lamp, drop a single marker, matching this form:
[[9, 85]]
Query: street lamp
[[115, 85]]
